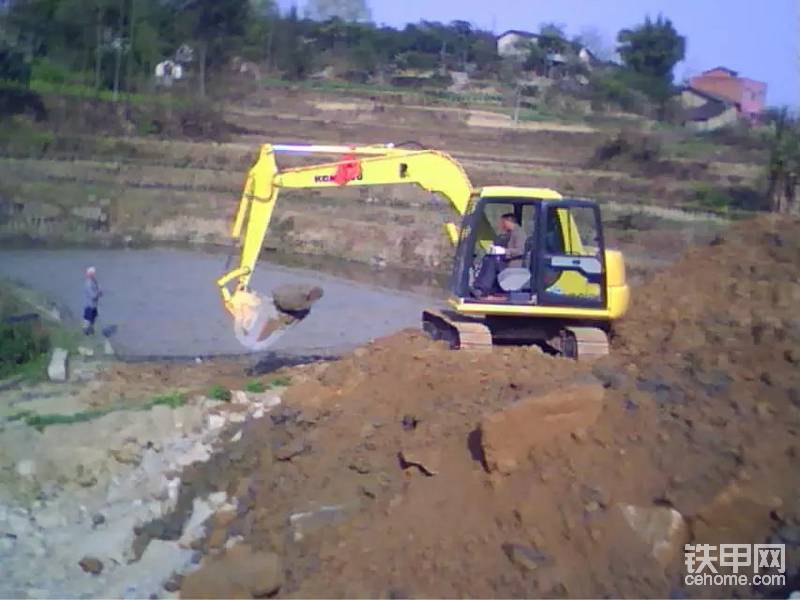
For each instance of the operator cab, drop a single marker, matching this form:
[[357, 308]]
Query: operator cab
[[564, 259]]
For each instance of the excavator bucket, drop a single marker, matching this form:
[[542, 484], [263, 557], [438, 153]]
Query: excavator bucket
[[260, 321]]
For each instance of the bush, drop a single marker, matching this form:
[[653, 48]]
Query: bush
[[254, 387], [218, 392], [633, 145], [281, 381], [622, 89], [417, 60], [712, 197], [43, 69], [20, 102], [20, 344]]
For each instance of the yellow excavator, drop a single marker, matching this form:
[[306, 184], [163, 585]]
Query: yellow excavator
[[564, 294]]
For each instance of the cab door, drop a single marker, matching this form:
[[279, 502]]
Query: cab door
[[570, 261]]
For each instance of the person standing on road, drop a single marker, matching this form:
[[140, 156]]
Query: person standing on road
[[91, 293]]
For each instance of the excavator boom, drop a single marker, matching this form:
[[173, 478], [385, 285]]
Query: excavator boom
[[431, 170]]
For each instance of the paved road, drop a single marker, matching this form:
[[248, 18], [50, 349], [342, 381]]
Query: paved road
[[164, 301]]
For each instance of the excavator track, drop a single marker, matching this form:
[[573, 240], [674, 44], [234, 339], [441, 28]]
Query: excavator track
[[584, 343], [460, 332]]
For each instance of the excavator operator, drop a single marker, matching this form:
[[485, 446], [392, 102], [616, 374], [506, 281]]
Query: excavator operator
[[507, 250]]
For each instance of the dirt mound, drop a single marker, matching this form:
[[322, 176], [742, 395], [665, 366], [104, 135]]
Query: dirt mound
[[730, 297], [370, 479]]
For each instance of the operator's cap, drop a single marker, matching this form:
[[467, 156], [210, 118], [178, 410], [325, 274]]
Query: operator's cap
[[90, 271]]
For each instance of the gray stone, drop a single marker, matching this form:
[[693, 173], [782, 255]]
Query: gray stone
[[237, 417], [50, 517], [267, 400], [239, 397], [112, 542], [294, 448], [215, 421], [26, 468], [217, 499], [57, 369], [527, 558], [17, 524], [295, 297], [197, 453], [195, 526]]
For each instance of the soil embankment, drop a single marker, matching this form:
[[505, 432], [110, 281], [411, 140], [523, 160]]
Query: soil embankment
[[371, 480]]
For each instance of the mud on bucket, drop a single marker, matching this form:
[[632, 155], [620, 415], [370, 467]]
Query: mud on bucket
[[260, 321]]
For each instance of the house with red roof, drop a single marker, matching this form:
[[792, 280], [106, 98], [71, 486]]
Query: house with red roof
[[748, 96]]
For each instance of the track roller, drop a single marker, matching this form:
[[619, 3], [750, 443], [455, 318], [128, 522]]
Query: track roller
[[584, 343]]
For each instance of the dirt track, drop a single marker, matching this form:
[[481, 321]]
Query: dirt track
[[701, 414]]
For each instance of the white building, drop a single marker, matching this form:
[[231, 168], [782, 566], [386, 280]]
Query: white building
[[515, 43], [168, 71]]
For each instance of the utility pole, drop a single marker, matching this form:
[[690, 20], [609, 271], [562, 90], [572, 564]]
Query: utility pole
[[119, 43], [517, 103], [98, 51], [131, 44]]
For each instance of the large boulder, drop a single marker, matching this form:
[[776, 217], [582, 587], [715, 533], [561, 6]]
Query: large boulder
[[508, 436], [295, 298]]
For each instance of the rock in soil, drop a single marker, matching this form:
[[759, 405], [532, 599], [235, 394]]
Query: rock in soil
[[426, 459], [661, 528], [509, 435], [238, 573], [294, 448], [91, 565], [525, 557]]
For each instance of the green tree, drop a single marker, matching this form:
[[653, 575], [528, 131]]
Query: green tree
[[293, 51], [212, 24], [536, 59], [462, 34], [346, 10], [651, 50], [551, 38], [13, 66]]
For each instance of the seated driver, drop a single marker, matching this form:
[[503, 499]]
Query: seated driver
[[508, 251]]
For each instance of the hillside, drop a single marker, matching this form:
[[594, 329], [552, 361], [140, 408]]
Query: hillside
[[98, 173]]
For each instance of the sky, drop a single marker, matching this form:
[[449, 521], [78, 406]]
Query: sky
[[758, 38]]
